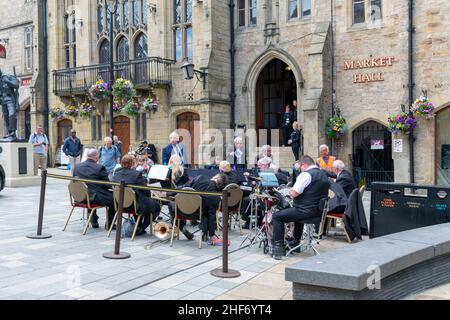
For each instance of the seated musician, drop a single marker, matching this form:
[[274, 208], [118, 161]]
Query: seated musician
[[145, 205], [311, 186], [263, 166], [98, 194], [344, 178], [325, 161], [178, 176], [210, 205], [225, 168], [143, 163]]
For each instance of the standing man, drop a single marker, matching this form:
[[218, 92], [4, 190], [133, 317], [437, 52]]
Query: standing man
[[118, 144], [286, 124], [72, 148], [174, 147], [109, 156], [295, 110], [9, 100], [40, 149]]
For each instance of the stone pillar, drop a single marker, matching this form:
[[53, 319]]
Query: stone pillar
[[401, 159], [17, 161]]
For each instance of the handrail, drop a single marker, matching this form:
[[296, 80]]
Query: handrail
[[146, 71], [133, 61]]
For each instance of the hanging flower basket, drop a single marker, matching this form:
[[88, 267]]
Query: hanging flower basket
[[402, 122], [87, 110], [336, 127], [123, 90], [57, 113], [151, 104], [117, 108], [72, 111], [423, 107], [132, 108], [99, 91]]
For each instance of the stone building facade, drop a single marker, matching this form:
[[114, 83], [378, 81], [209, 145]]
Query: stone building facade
[[346, 55], [16, 36]]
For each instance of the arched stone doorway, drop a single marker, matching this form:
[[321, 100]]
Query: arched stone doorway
[[122, 131], [275, 88], [443, 147], [372, 154], [64, 127], [189, 123]]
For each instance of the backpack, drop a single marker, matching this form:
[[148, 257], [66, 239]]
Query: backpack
[[127, 228]]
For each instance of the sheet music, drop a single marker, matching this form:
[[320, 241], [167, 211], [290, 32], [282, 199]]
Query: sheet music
[[158, 172]]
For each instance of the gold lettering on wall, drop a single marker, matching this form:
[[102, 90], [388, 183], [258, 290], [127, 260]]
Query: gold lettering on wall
[[368, 64]]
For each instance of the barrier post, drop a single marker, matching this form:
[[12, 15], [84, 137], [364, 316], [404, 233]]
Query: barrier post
[[117, 254], [224, 272], [39, 234]]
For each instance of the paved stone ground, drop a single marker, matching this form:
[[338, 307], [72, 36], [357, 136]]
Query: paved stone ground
[[70, 265]]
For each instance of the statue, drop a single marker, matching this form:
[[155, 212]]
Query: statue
[[9, 99]]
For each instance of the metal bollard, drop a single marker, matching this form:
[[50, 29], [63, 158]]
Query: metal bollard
[[224, 272], [39, 234], [117, 254]]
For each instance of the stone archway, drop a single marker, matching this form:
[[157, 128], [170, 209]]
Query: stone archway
[[372, 153], [250, 82]]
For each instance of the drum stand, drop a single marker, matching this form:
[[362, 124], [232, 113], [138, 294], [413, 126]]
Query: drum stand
[[258, 235], [308, 241], [254, 231]]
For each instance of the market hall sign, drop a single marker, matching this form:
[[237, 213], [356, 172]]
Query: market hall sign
[[371, 63]]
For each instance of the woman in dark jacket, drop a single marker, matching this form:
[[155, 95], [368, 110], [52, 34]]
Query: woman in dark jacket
[[145, 205], [296, 141]]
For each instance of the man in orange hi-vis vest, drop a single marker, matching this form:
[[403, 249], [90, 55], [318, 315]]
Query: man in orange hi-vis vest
[[325, 161]]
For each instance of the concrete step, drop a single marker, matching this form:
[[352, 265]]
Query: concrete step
[[283, 157]]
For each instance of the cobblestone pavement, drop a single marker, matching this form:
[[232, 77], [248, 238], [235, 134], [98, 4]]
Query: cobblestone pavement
[[70, 265]]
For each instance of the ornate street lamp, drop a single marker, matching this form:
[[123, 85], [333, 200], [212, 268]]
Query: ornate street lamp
[[189, 72], [112, 9]]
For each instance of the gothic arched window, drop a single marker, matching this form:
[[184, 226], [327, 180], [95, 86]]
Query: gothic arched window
[[104, 52], [123, 50], [141, 47]]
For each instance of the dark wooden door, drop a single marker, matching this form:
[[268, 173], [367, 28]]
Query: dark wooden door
[[64, 127], [275, 88], [122, 131], [190, 122]]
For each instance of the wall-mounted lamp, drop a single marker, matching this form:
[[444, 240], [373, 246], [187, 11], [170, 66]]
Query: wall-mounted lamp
[[189, 72]]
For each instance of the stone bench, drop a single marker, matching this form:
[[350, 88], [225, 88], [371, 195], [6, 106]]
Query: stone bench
[[404, 263]]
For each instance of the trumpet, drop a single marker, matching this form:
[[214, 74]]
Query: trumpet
[[162, 230]]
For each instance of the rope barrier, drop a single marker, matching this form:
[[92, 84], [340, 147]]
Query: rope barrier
[[224, 272]]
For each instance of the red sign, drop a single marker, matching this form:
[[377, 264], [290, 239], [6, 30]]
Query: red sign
[[377, 144], [2, 52], [26, 82]]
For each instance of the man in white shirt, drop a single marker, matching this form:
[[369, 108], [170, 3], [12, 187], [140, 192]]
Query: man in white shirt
[[310, 188]]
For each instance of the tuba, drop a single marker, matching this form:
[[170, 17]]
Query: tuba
[[162, 230]]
